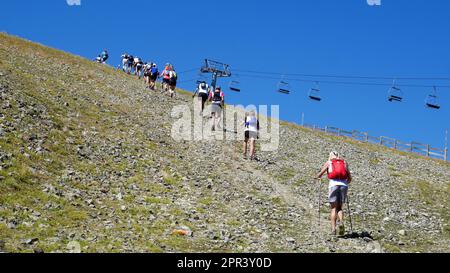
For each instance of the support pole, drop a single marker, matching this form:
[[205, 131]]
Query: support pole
[[214, 81]]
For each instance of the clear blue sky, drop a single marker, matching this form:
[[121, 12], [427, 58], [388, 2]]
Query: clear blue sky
[[400, 38]]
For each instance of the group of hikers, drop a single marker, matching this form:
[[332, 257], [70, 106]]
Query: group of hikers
[[150, 73], [336, 167], [217, 99]]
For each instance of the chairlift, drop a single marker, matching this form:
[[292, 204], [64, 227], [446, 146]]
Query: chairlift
[[395, 94], [314, 93], [432, 100], [235, 85], [284, 87]]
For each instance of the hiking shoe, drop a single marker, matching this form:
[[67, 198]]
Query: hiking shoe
[[341, 229]]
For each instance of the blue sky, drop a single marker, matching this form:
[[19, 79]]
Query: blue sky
[[400, 39]]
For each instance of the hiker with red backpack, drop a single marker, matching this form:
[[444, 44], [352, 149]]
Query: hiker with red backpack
[[340, 178]]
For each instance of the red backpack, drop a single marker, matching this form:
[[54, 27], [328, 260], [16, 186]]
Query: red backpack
[[337, 170]]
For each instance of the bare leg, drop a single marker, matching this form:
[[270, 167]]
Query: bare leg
[[333, 217], [252, 148], [340, 213], [219, 118], [215, 118]]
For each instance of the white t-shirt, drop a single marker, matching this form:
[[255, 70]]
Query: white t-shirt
[[251, 124], [335, 182], [201, 90]]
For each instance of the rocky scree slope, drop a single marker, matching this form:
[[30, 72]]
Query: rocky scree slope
[[87, 164]]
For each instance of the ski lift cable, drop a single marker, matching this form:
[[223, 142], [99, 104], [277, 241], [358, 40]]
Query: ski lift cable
[[344, 76], [343, 82], [187, 71], [185, 81]]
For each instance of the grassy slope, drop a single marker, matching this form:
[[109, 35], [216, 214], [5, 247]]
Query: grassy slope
[[70, 114]]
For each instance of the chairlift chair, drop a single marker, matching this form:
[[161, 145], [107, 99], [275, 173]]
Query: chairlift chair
[[314, 93], [395, 94], [432, 100], [313, 96], [284, 87], [234, 86]]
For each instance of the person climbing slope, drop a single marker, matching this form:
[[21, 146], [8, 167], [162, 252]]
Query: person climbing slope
[[203, 94], [173, 82], [217, 99], [104, 55], [154, 73], [251, 133], [138, 64], [130, 64], [165, 78], [340, 178], [147, 73], [125, 57]]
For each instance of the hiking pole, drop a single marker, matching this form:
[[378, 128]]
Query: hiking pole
[[318, 199], [349, 213]]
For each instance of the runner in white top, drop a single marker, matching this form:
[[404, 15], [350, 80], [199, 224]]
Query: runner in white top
[[251, 133], [203, 94]]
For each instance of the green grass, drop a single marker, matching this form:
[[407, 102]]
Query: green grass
[[207, 201], [88, 82], [158, 200]]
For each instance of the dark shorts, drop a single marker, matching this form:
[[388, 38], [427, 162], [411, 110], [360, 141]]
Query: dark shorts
[[338, 194], [172, 83], [203, 96], [166, 81], [138, 67], [251, 135], [153, 78]]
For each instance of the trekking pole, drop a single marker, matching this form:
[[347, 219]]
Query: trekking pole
[[318, 199], [349, 213]]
